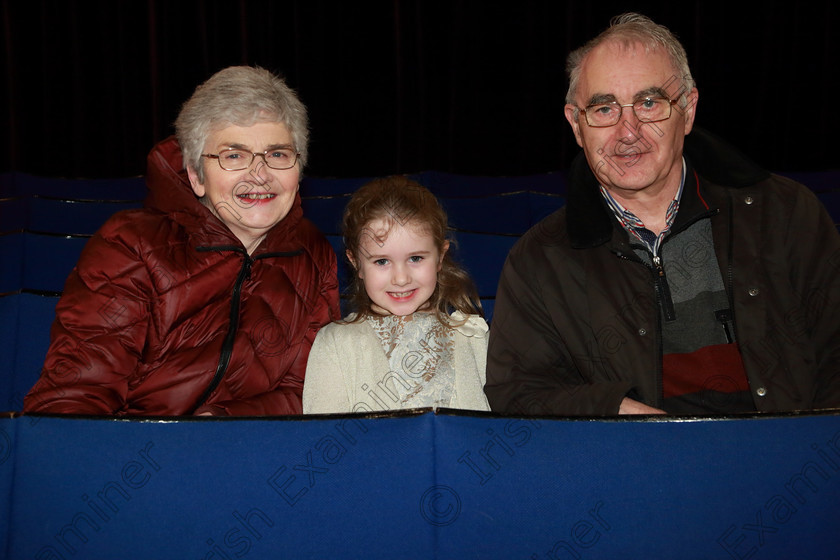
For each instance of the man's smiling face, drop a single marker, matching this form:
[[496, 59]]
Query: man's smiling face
[[631, 157]]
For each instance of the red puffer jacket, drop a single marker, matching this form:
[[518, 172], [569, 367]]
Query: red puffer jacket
[[165, 299]]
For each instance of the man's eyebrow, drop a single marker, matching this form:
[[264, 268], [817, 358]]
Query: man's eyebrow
[[601, 98], [652, 92]]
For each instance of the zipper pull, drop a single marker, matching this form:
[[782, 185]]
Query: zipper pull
[[247, 266], [657, 262], [666, 302], [724, 317]]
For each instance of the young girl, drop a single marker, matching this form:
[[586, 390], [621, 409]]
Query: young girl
[[402, 348]]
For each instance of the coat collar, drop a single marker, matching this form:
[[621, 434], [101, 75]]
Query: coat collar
[[588, 220]]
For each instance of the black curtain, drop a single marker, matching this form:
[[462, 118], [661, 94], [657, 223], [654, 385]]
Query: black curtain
[[471, 87]]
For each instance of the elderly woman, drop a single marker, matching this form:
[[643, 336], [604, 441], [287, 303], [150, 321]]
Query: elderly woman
[[207, 300]]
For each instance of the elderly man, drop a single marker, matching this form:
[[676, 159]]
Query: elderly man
[[680, 278]]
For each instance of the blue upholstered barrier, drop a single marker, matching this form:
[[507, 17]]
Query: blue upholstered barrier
[[505, 214], [443, 486], [404, 486], [24, 185], [33, 261], [447, 184], [325, 212], [59, 216], [483, 256], [25, 321]]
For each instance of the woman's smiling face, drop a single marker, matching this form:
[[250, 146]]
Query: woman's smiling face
[[251, 201]]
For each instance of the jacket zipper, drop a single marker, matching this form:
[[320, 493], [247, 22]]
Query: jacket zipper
[[233, 324], [664, 300]]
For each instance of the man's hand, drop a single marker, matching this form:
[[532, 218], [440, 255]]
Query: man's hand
[[629, 406]]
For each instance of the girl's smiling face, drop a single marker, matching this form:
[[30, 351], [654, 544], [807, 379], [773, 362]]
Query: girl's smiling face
[[398, 265]]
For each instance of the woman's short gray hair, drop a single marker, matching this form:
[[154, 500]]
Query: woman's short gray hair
[[241, 96], [631, 28]]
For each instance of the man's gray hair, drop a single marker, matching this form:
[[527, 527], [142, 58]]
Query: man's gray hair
[[627, 29], [241, 96]]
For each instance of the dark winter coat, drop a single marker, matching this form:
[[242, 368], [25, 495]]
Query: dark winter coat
[[576, 327]]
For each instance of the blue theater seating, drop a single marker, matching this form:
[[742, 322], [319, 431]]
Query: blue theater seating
[[45, 223], [505, 214], [38, 262], [25, 330], [418, 485], [403, 485]]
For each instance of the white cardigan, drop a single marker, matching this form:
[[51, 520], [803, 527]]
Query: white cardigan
[[347, 369]]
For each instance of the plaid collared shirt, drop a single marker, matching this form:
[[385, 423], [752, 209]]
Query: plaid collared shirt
[[634, 225]]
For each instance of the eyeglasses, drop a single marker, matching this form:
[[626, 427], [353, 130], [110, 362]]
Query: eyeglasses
[[649, 109], [233, 159]]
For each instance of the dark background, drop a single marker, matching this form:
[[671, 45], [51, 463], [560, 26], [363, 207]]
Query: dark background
[[472, 87]]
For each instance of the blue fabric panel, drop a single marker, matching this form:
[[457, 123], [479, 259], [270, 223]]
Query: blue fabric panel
[[483, 257], [450, 184], [296, 488], [49, 260], [344, 269], [542, 205], [9, 318], [498, 214], [325, 212], [507, 214], [25, 321], [488, 304], [7, 470], [325, 186], [446, 184], [37, 262], [71, 217], [547, 489], [422, 486], [22, 184], [14, 214], [11, 262], [49, 215]]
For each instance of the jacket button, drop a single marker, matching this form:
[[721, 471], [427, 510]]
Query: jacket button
[[748, 200], [761, 391], [642, 332], [753, 291]]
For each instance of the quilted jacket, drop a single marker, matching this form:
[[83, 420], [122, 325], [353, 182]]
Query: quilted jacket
[[165, 299]]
